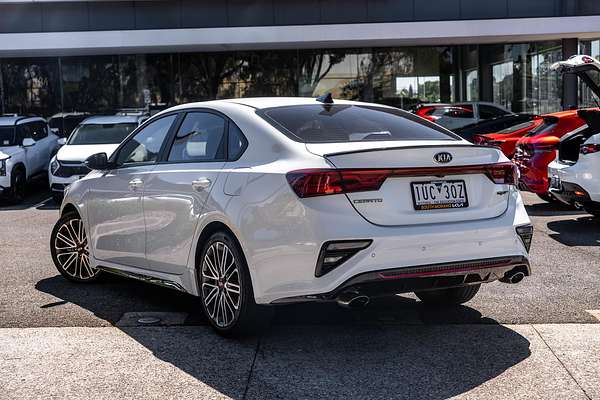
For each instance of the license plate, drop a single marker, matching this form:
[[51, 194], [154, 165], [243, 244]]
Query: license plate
[[555, 182], [436, 195]]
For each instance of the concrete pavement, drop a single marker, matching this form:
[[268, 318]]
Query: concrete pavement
[[363, 362]]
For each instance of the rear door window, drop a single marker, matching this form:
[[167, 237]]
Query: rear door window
[[201, 137], [323, 123]]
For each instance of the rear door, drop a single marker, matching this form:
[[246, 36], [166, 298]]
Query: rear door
[[179, 188]]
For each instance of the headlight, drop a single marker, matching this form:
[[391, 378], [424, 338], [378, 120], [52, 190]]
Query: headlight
[[54, 166]]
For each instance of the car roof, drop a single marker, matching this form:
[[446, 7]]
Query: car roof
[[112, 119], [260, 103], [18, 119]]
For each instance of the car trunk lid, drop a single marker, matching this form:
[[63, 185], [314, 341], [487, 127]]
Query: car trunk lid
[[412, 173]]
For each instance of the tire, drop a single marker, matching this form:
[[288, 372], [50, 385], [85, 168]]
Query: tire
[[226, 292], [69, 249], [547, 197], [452, 296], [18, 185]]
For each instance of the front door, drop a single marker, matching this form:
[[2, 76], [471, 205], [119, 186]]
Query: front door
[[115, 211]]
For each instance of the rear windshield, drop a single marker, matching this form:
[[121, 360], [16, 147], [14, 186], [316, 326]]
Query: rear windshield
[[101, 133], [323, 123], [516, 127], [543, 128]]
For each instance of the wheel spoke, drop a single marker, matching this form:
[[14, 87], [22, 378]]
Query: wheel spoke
[[65, 239], [211, 267], [231, 302], [232, 287]]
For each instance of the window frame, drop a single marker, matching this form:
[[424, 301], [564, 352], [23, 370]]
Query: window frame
[[115, 155], [164, 157]]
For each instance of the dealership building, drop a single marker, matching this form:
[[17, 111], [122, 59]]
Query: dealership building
[[98, 56]]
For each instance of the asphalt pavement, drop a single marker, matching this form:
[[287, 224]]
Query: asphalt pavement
[[537, 339]]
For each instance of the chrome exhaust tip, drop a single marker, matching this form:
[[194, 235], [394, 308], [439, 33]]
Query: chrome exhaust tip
[[352, 300], [513, 277]]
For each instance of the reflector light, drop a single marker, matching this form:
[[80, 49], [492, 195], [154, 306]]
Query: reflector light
[[334, 254], [525, 232]]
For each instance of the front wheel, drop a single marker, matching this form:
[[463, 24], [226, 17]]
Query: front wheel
[[18, 186], [452, 296], [226, 289], [70, 249]]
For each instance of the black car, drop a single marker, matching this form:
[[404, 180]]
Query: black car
[[64, 123], [492, 125]]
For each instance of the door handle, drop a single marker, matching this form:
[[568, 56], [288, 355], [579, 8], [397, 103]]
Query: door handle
[[135, 184], [201, 183]]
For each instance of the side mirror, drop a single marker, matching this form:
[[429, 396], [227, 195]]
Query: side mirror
[[28, 142], [61, 141], [98, 161], [56, 131]]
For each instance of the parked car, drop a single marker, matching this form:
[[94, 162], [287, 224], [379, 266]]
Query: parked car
[[93, 135], [254, 202], [574, 174], [26, 145], [506, 139], [62, 124], [537, 149], [493, 125], [457, 115]]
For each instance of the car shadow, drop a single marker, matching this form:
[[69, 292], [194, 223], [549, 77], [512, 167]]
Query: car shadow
[[551, 209], [37, 195], [582, 231], [394, 347]]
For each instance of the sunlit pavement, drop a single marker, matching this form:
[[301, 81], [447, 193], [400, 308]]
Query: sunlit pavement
[[538, 339]]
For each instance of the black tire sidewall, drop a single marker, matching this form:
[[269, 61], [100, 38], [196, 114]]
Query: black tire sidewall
[[247, 302], [66, 217], [17, 186]]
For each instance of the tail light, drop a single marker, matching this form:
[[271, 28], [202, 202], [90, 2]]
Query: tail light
[[323, 182], [542, 147], [589, 148], [503, 173]]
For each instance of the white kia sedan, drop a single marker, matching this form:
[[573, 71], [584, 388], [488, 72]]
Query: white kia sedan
[[254, 202]]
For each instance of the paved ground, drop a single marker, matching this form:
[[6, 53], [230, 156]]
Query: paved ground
[[538, 339]]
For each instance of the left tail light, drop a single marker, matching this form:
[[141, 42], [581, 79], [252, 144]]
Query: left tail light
[[589, 148], [333, 254], [319, 182]]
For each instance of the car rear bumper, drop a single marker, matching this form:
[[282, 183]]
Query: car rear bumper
[[422, 277]]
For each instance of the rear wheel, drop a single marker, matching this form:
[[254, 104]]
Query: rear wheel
[[226, 289], [70, 249], [452, 296], [18, 184]]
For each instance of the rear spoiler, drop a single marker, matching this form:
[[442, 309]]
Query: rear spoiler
[[550, 119]]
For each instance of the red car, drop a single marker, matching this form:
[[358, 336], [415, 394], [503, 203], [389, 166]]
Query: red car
[[538, 148], [506, 139]]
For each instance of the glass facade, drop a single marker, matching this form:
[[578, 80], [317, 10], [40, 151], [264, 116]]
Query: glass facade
[[516, 76]]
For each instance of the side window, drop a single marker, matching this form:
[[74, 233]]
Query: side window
[[23, 132], [38, 130], [487, 112], [145, 146], [236, 142], [201, 137]]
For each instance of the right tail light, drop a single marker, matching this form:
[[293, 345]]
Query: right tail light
[[589, 148]]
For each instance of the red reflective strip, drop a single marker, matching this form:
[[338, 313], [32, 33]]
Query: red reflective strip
[[440, 272]]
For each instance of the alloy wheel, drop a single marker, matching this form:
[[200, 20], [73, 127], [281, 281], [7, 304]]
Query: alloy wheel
[[221, 288], [72, 250]]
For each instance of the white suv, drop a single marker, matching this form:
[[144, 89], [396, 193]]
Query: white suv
[[26, 145], [98, 134], [574, 177]]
